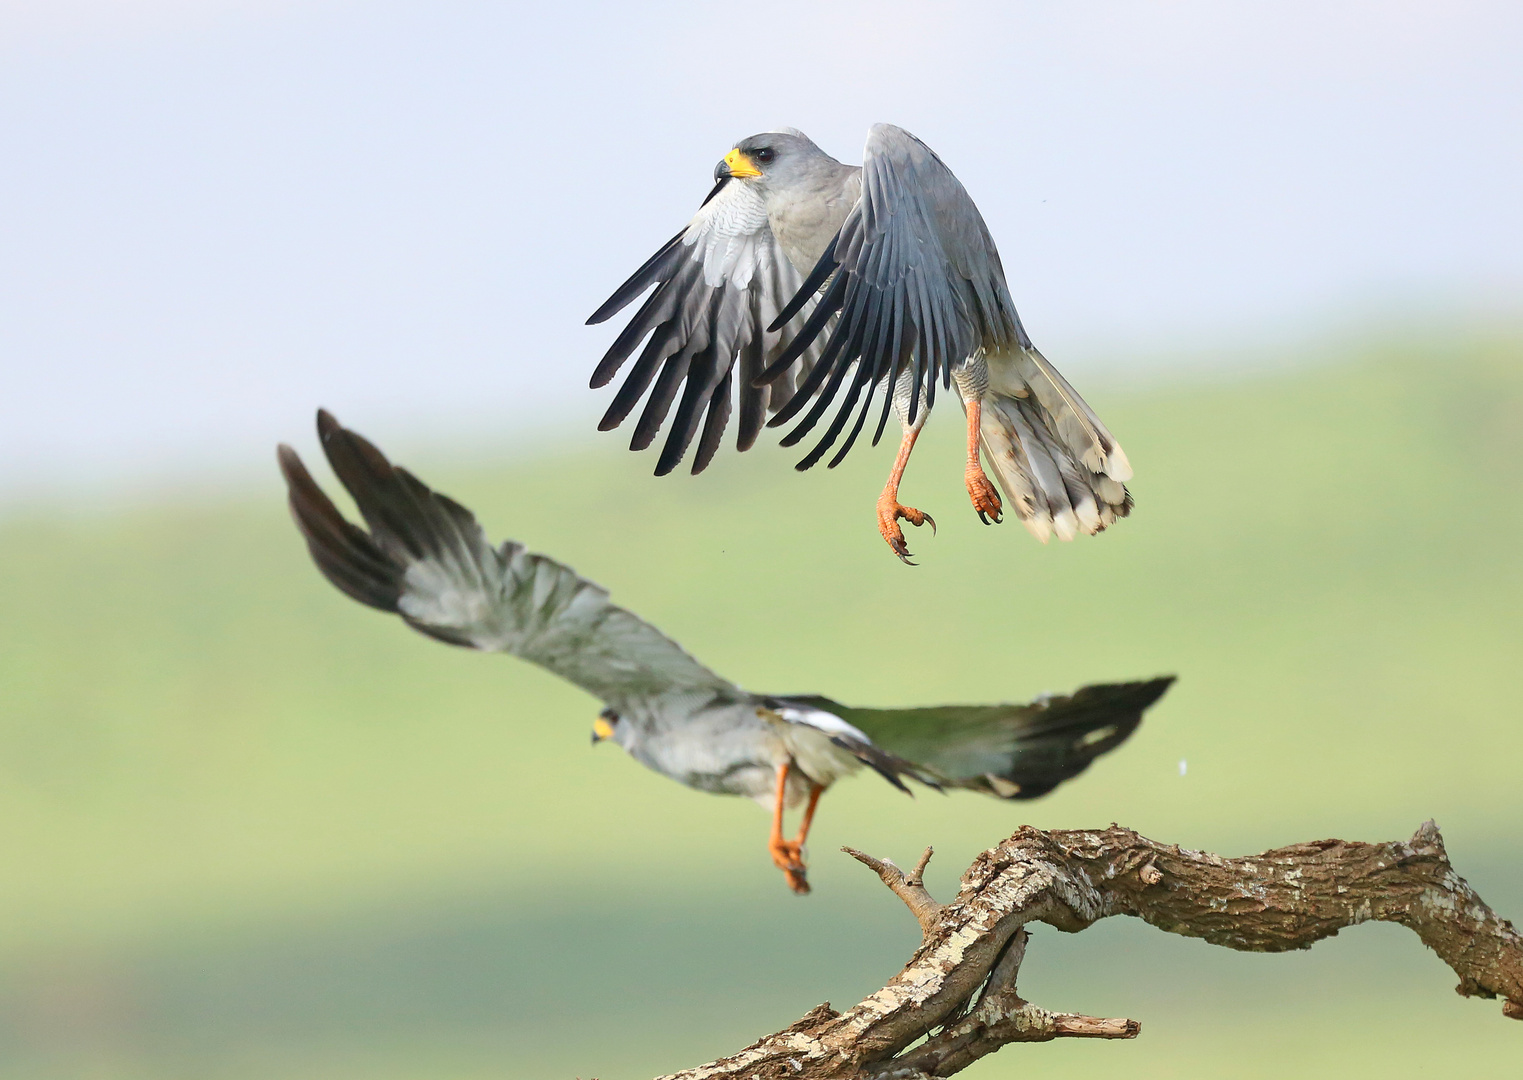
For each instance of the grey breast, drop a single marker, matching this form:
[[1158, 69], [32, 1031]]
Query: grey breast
[[719, 746]]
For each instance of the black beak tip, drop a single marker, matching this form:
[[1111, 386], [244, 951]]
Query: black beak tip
[[721, 171]]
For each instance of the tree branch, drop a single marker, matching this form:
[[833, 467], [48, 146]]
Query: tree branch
[[908, 887], [956, 1000]]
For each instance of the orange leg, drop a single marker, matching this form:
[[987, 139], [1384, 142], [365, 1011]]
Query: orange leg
[[788, 855], [980, 490], [815, 791], [889, 508]]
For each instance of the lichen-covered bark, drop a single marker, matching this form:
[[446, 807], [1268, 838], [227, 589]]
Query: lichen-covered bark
[[958, 991]]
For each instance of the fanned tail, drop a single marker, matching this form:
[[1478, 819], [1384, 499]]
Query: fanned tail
[[1059, 467]]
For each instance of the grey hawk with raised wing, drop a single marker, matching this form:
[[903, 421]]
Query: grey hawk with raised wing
[[425, 558], [824, 283]]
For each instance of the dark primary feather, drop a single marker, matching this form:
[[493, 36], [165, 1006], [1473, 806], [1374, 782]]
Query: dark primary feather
[[886, 765], [716, 287], [346, 554], [408, 523], [917, 280], [643, 278], [1011, 751], [426, 558]]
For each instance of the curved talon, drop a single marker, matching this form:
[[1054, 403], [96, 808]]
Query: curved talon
[[890, 510], [986, 500]]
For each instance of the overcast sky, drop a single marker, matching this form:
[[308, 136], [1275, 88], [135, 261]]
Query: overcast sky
[[216, 215]]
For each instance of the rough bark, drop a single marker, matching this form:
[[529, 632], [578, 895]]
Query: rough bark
[[956, 1000]]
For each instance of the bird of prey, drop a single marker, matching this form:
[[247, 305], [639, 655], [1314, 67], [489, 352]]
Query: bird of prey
[[426, 559], [826, 282]]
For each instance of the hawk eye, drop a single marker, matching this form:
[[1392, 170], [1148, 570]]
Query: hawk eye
[[765, 154]]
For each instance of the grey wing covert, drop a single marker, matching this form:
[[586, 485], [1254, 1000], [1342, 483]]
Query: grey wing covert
[[428, 560]]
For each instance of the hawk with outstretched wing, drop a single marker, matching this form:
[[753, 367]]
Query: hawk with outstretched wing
[[804, 286], [424, 557]]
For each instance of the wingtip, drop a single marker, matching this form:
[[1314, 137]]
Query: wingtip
[[1161, 682], [327, 425], [1137, 695], [613, 305], [1140, 695], [1157, 687], [292, 470]]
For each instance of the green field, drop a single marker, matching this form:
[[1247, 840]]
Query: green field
[[254, 830]]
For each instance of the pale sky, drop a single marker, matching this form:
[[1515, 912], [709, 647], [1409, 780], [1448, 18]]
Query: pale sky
[[216, 215]]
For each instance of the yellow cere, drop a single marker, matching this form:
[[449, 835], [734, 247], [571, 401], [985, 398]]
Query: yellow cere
[[602, 728], [740, 165]]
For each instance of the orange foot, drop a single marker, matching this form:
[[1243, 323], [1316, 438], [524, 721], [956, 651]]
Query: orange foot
[[982, 492], [788, 856], [889, 513]]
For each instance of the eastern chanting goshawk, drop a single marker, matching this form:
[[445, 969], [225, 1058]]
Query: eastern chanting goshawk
[[823, 283], [426, 559]]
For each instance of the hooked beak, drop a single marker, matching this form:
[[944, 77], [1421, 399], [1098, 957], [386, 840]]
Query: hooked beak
[[601, 729], [736, 164]]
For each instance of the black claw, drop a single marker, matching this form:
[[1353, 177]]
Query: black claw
[[899, 547]]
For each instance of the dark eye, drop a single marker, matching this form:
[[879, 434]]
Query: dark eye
[[765, 154]]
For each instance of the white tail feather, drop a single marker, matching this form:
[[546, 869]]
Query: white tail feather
[[1060, 469]]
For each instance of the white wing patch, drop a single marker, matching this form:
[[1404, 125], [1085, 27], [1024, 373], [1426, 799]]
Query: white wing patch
[[829, 723], [809, 736]]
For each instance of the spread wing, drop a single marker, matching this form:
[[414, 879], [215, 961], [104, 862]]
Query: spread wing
[[1012, 751], [719, 285], [426, 558], [917, 282]]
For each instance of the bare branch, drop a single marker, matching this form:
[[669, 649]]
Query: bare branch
[[956, 1000], [917, 875], [909, 888]]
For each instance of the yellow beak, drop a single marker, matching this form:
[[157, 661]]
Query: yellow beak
[[740, 165], [601, 729]]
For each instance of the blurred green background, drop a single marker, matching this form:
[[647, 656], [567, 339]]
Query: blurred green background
[[253, 830]]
